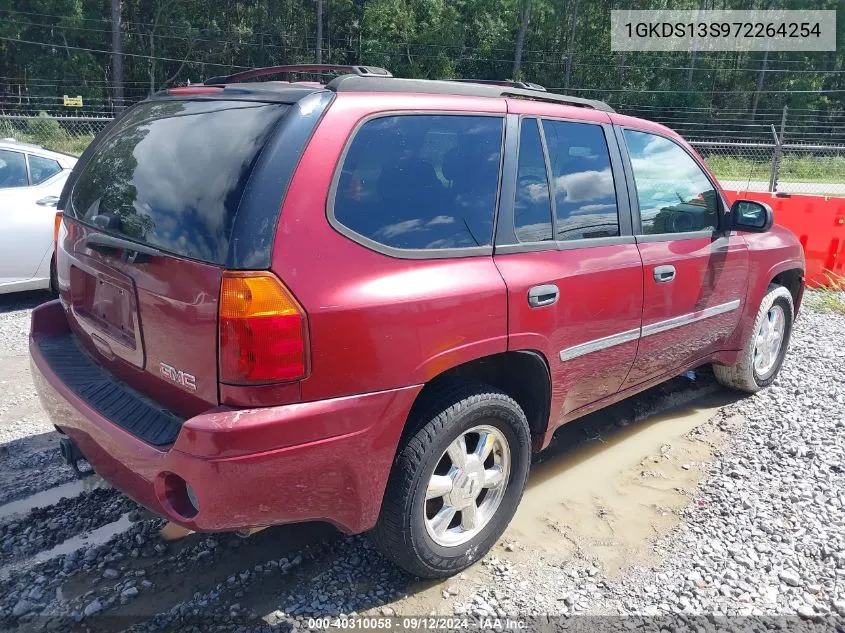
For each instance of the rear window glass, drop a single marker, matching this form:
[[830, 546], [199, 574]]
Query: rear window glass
[[172, 173], [585, 196], [532, 212], [422, 181]]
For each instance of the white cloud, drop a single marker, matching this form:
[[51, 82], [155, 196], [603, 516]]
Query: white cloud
[[585, 185]]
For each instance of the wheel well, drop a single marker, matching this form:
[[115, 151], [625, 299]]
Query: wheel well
[[792, 280], [523, 375]]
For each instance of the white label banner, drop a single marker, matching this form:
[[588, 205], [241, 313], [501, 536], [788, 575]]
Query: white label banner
[[704, 31]]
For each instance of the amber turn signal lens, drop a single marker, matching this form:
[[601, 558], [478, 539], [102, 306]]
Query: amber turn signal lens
[[263, 330], [57, 224], [247, 295]]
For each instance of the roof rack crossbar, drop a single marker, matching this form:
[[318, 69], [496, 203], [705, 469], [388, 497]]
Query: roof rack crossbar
[[509, 83], [360, 71]]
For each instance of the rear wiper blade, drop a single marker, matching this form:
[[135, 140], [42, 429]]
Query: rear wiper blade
[[94, 240]]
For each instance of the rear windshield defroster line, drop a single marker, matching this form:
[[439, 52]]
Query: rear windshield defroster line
[[172, 174]]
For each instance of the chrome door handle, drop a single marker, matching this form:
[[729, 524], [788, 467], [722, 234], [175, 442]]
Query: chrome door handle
[[545, 295], [662, 274]]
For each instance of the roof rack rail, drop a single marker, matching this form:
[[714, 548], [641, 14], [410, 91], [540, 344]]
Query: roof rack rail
[[510, 83], [351, 83], [556, 97], [360, 71]]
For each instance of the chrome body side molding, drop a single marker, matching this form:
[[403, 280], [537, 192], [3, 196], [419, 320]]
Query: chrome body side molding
[[627, 336]]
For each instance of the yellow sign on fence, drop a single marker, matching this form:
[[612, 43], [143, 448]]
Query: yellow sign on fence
[[74, 102]]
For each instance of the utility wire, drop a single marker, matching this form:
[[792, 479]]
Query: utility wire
[[94, 50]]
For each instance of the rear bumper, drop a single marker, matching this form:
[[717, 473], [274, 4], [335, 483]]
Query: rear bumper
[[325, 460]]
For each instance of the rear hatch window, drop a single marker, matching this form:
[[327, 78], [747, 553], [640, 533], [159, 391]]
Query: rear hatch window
[[171, 174], [170, 177]]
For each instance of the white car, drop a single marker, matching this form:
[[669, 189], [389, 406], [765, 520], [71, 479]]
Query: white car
[[31, 179]]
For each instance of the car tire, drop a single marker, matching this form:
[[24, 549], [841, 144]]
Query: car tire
[[414, 529], [54, 282], [759, 362]]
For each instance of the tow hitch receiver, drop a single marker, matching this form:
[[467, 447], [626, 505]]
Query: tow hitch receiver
[[72, 455]]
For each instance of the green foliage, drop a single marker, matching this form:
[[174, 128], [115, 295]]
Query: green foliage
[[43, 130], [171, 42]]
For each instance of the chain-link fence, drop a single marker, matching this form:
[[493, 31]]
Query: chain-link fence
[[789, 168], [63, 134], [744, 166]]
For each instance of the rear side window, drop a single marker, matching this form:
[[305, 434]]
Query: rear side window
[[532, 212], [41, 169], [422, 181], [582, 181], [171, 174], [12, 169]]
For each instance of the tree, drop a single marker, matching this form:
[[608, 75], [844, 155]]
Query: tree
[[524, 19], [571, 45], [117, 53], [319, 31]]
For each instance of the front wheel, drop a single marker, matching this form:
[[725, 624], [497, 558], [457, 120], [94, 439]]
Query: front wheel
[[760, 360], [455, 483]]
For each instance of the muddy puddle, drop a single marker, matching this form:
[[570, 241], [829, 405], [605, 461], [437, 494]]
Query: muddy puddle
[[603, 492], [91, 538], [50, 496], [609, 497]]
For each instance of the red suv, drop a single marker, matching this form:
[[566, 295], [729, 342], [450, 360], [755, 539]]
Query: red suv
[[368, 302]]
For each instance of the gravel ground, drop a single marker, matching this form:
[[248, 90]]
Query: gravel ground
[[765, 534], [28, 461], [762, 536]]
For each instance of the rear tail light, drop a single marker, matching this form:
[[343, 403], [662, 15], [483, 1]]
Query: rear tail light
[[263, 331]]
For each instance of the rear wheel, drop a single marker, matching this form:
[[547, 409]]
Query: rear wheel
[[456, 482], [761, 358], [54, 284]]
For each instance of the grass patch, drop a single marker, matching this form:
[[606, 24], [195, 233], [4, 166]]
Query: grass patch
[[827, 169], [829, 298], [730, 168], [813, 169]]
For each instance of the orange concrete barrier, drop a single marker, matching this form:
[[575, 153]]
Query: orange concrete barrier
[[819, 223]]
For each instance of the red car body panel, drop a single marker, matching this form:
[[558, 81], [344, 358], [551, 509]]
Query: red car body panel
[[379, 328], [380, 322], [769, 254], [292, 463], [710, 273], [173, 308], [590, 308]]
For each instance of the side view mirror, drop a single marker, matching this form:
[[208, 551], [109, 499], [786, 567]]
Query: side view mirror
[[752, 216]]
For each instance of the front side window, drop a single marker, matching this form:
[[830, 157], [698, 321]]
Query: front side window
[[532, 213], [582, 181], [674, 194], [12, 169], [41, 169], [422, 181]]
